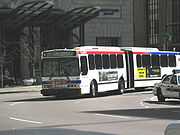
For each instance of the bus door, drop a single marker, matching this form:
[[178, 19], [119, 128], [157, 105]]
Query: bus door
[[129, 69]]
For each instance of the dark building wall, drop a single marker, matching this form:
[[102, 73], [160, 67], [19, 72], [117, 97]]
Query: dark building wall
[[167, 28], [113, 29], [140, 22]]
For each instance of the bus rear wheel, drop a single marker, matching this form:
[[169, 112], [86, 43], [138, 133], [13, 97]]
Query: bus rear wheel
[[93, 89], [121, 86]]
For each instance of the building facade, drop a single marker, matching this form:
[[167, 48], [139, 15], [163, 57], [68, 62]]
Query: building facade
[[140, 23], [120, 22], [163, 24]]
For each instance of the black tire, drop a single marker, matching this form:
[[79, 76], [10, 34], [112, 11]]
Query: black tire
[[93, 89], [160, 96], [121, 86]]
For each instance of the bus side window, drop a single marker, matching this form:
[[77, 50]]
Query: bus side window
[[105, 61], [146, 60], [113, 61], [120, 61], [155, 60], [91, 62], [139, 60], [164, 60], [172, 60], [98, 61], [84, 68]]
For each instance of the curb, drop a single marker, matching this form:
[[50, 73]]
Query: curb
[[20, 89]]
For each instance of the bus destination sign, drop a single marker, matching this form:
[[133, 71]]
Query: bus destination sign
[[59, 54]]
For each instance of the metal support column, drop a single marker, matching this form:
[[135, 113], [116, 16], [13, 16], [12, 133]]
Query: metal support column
[[81, 34], [2, 83]]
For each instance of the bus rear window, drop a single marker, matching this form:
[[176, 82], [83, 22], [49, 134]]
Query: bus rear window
[[172, 60], [146, 60], [139, 60], [98, 61], [91, 62], [113, 61], [105, 61], [155, 60], [164, 61], [120, 61]]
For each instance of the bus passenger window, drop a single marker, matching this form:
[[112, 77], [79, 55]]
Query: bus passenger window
[[98, 61], [164, 60], [120, 61], [84, 68], [91, 62], [155, 60], [113, 61], [172, 60], [139, 60], [105, 61], [146, 60]]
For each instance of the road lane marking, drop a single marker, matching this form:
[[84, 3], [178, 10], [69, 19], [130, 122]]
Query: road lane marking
[[113, 116], [15, 103], [23, 120]]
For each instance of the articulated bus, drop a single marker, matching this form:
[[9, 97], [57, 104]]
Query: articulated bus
[[94, 69]]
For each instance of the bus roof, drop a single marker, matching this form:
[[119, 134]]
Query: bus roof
[[139, 49], [97, 48]]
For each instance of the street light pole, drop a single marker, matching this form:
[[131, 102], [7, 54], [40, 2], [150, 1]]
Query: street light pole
[[2, 75]]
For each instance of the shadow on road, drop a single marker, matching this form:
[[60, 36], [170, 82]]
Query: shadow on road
[[156, 113], [49, 131], [51, 98], [67, 97]]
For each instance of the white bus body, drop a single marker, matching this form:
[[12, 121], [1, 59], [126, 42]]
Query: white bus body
[[93, 69]]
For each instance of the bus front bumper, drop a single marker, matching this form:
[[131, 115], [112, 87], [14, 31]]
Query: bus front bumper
[[61, 92]]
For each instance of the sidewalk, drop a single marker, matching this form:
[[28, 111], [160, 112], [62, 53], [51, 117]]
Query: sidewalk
[[20, 89]]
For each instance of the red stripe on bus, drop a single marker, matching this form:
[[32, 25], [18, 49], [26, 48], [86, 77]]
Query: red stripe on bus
[[100, 52], [145, 53]]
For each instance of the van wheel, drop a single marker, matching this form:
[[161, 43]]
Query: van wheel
[[93, 89], [160, 96], [121, 86]]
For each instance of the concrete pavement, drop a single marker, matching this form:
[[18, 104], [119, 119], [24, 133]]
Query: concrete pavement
[[20, 89]]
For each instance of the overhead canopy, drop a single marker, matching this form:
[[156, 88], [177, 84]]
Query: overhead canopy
[[38, 13]]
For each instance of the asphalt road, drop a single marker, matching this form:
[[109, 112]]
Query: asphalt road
[[136, 113]]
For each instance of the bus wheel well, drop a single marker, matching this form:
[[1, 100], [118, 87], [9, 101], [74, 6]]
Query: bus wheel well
[[93, 88], [121, 85]]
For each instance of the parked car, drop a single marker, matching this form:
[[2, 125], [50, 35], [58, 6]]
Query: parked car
[[169, 87], [28, 82]]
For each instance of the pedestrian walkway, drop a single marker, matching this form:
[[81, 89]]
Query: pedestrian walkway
[[20, 89]]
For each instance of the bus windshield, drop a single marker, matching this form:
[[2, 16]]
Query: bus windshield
[[60, 67]]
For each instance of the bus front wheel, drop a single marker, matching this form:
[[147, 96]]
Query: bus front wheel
[[93, 89]]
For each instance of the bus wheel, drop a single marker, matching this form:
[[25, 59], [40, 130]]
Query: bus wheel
[[160, 96], [121, 86], [93, 89]]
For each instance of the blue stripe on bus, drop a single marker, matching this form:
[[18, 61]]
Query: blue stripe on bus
[[165, 53], [44, 82], [75, 81]]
